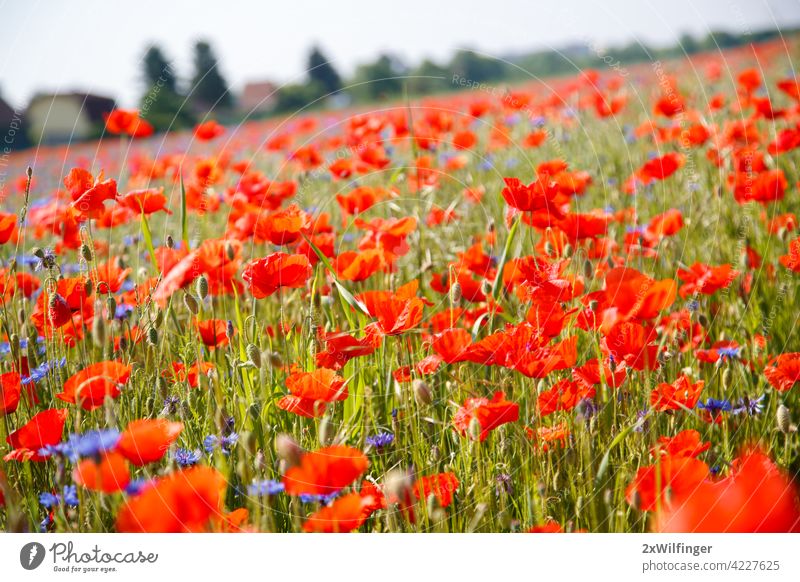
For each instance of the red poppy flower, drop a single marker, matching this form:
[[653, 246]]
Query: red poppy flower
[[43, 429], [185, 501], [784, 371], [682, 393], [180, 374], [564, 395], [321, 384], [593, 373], [755, 498], [442, 486], [107, 474], [791, 260], [90, 386], [325, 471], [208, 130], [213, 332], [8, 227], [686, 443], [283, 227], [344, 515], [669, 478], [265, 276], [358, 266], [396, 312], [147, 440], [145, 201], [338, 348], [10, 391], [306, 407], [537, 196], [700, 278], [88, 194], [489, 414], [127, 122], [633, 344]]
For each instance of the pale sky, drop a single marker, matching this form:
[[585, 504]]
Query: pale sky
[[97, 45]]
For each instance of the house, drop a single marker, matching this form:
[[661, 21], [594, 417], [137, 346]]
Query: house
[[65, 117], [258, 97]]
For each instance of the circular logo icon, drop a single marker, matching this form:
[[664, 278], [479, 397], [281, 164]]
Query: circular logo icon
[[31, 555]]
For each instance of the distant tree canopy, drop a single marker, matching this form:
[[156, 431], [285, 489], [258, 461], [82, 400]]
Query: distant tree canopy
[[321, 71], [162, 104], [380, 79], [209, 90]]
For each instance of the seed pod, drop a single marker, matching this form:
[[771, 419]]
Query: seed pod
[[111, 307], [455, 294], [202, 287], [288, 450], [588, 269], [254, 355], [99, 331], [422, 393], [783, 419], [86, 252], [191, 303]]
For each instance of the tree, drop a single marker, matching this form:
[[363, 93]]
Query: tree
[[475, 68], [158, 70], [429, 77], [381, 78], [209, 89], [321, 71], [161, 104]]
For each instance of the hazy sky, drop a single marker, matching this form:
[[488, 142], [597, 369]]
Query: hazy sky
[[97, 45]]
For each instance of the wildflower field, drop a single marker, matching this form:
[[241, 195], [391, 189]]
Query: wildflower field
[[569, 305]]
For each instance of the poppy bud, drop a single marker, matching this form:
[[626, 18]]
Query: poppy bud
[[422, 393], [486, 287], [568, 250], [432, 504], [14, 343], [152, 336], [254, 355], [703, 320], [288, 450], [21, 317], [88, 287], [229, 330], [38, 252], [549, 250], [170, 242], [111, 307], [202, 287], [588, 269], [229, 251], [326, 432], [86, 252], [455, 294], [191, 303], [783, 419], [594, 304], [99, 331], [250, 442], [260, 462], [58, 311]]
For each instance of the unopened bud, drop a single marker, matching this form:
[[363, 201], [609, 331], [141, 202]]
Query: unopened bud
[[202, 287], [288, 450], [474, 430], [783, 419], [111, 307], [86, 252], [422, 393], [191, 303], [588, 269], [152, 336], [455, 294], [170, 242], [254, 355], [99, 331]]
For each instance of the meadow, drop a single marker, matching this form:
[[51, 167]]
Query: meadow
[[569, 305]]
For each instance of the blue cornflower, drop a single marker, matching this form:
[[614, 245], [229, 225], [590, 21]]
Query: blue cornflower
[[88, 444], [266, 488], [68, 496], [714, 406], [225, 443], [380, 440], [136, 486], [512, 162], [750, 406], [642, 422], [41, 371], [186, 457], [729, 352], [123, 310], [323, 499]]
